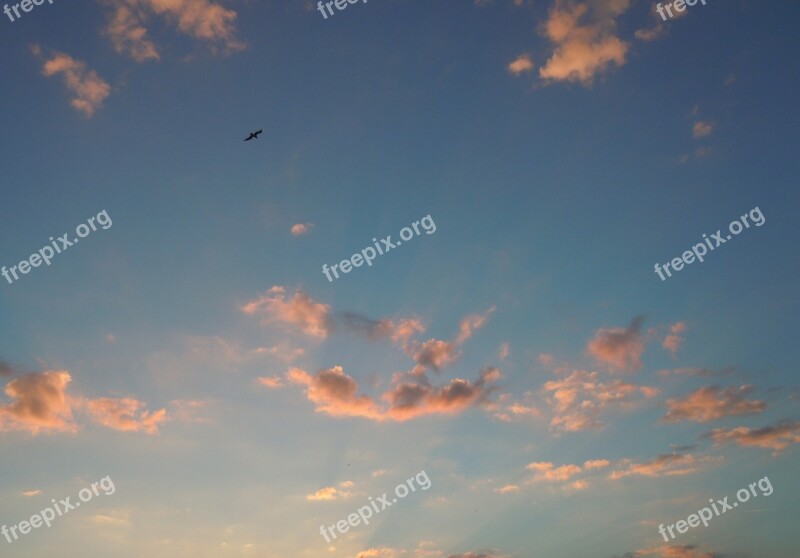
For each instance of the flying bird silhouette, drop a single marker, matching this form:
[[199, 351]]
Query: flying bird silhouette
[[253, 135]]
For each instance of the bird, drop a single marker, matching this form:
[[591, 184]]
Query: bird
[[253, 135]]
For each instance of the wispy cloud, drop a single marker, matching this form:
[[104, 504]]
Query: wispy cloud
[[711, 403], [777, 437]]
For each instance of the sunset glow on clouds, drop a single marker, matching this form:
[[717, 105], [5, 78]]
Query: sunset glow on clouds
[[563, 400]]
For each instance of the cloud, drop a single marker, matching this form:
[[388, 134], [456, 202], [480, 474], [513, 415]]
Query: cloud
[[578, 400], [505, 350], [521, 64], [296, 312], [584, 38], [408, 400], [677, 551], [546, 471], [335, 393], [596, 464], [703, 372], [5, 368], [189, 411], [125, 414], [31, 493], [673, 340], [711, 403], [398, 331], [39, 402], [300, 229], [302, 314], [327, 493], [469, 325], [436, 354], [619, 348], [90, 89], [776, 437], [671, 464], [271, 382], [200, 19], [702, 129], [507, 489]]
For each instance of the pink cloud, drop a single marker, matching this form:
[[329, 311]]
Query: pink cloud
[[126, 414], [672, 464], [578, 400], [777, 437], [335, 393], [584, 38], [619, 348], [673, 341], [521, 64], [200, 19], [39, 403], [90, 89], [297, 311], [711, 403]]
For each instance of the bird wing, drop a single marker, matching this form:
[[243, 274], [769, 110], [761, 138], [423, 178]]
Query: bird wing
[[256, 133]]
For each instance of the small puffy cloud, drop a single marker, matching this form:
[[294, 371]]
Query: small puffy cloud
[[507, 489], [297, 311], [545, 359], [547, 471], [90, 89], [436, 354], [201, 19], [505, 350], [671, 464], [126, 414], [596, 464], [327, 493], [39, 402], [347, 484], [300, 229], [31, 493], [621, 349], [584, 39], [521, 64], [702, 129], [673, 340], [711, 403], [777, 437], [335, 393], [578, 400], [271, 382]]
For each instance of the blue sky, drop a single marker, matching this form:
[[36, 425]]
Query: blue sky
[[561, 397]]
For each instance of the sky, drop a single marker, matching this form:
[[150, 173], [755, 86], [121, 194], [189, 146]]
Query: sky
[[182, 342]]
